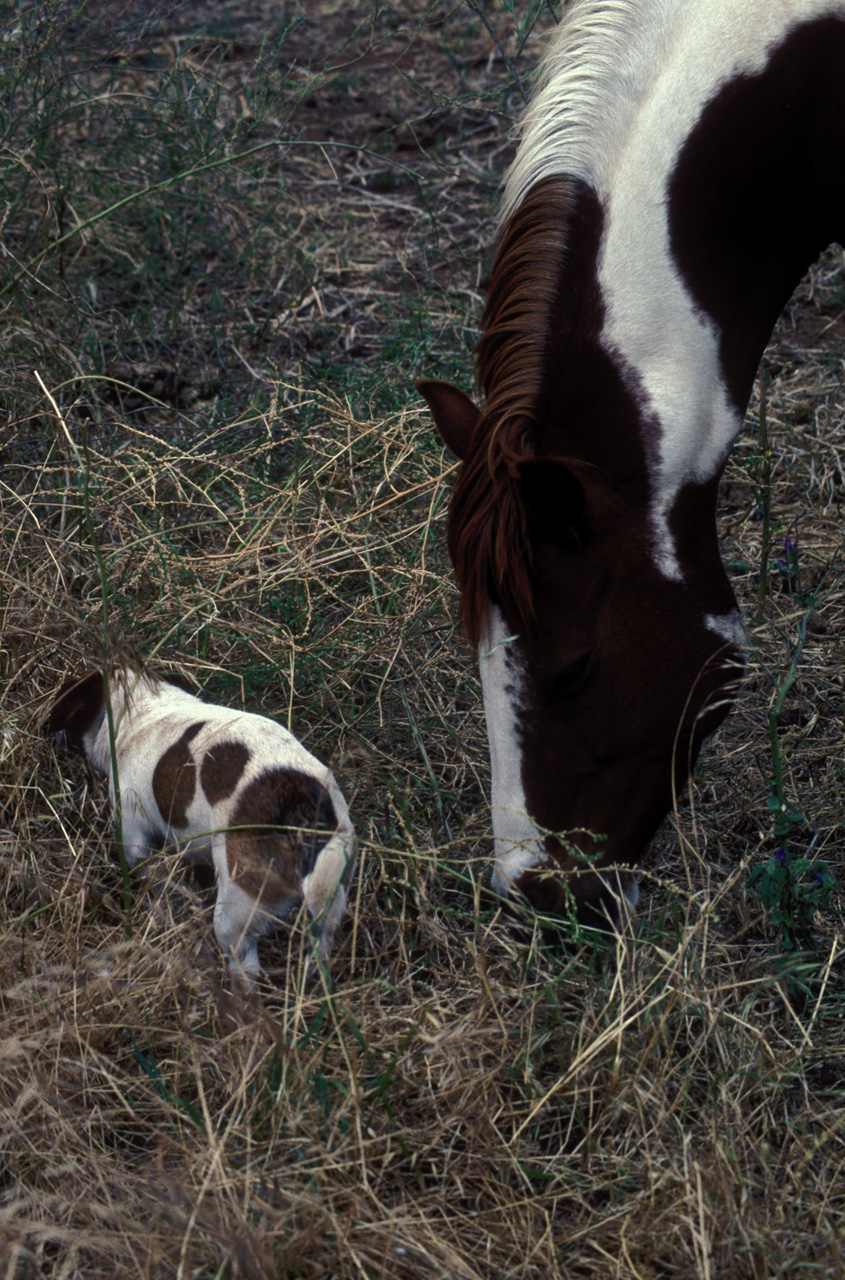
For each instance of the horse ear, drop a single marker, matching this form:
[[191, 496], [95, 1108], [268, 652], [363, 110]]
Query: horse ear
[[566, 498], [454, 414]]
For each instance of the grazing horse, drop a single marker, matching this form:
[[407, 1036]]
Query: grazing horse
[[681, 165]]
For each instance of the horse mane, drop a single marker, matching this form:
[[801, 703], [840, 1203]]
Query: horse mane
[[487, 529]]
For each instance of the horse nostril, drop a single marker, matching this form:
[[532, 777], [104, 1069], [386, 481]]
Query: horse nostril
[[609, 908]]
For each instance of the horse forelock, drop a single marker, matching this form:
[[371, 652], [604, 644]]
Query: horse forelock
[[488, 538]]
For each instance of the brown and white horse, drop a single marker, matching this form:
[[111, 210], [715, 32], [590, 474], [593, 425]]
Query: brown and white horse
[[681, 165]]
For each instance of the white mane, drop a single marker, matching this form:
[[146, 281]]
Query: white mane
[[609, 57], [592, 76]]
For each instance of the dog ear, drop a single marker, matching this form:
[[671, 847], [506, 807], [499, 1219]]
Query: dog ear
[[77, 706], [454, 414]]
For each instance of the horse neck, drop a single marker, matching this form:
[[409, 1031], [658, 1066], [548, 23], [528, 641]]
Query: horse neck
[[681, 118], [758, 191], [692, 294]]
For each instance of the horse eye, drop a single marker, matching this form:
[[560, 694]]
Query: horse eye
[[568, 681]]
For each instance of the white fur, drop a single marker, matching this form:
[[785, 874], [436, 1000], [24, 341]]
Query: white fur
[[150, 717], [622, 85], [730, 627], [517, 842]]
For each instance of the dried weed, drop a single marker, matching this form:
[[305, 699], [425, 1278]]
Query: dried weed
[[231, 357]]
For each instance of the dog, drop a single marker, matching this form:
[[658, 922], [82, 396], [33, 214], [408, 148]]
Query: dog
[[223, 787]]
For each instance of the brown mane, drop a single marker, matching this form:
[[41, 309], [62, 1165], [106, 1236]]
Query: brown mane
[[487, 526]]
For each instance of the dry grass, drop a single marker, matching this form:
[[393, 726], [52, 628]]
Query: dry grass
[[231, 428]]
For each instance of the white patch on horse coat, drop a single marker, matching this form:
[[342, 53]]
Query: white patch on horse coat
[[621, 88], [517, 842], [729, 626]]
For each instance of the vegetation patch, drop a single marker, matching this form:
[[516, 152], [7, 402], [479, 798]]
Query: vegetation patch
[[231, 237]]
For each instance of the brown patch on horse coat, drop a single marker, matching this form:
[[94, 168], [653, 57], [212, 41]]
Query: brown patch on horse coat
[[175, 779], [222, 769], [597, 899], [280, 824], [739, 266]]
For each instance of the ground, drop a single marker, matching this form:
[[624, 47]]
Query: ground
[[232, 237]]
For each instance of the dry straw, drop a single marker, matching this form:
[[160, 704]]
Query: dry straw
[[231, 355]]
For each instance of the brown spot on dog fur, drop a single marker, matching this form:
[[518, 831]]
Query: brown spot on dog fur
[[77, 707], [283, 819], [175, 779], [222, 769]]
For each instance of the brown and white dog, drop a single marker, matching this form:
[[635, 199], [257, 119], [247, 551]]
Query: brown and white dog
[[221, 786]]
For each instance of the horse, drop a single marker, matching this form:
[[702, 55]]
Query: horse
[[680, 167]]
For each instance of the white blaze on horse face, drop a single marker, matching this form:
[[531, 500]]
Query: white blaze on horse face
[[604, 114], [516, 840]]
